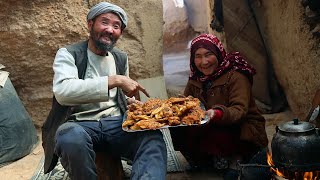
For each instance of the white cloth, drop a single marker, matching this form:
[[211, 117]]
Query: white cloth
[[3, 78]]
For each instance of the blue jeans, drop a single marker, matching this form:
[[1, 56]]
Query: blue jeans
[[76, 143]]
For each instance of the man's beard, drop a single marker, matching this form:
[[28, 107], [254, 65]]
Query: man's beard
[[100, 45]]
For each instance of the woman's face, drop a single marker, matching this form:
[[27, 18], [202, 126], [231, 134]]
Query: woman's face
[[206, 61]]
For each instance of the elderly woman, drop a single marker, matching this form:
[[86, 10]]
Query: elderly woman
[[236, 129]]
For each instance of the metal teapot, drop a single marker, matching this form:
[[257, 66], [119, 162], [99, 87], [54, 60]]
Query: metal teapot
[[296, 146]]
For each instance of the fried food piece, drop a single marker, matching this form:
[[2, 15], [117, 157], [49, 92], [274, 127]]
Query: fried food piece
[[163, 120], [194, 116], [129, 115], [175, 110], [151, 105], [190, 119], [198, 111], [149, 124], [140, 117], [128, 122], [175, 100], [135, 127], [162, 112], [156, 111], [167, 111], [180, 110], [138, 112], [135, 106], [191, 104], [173, 121]]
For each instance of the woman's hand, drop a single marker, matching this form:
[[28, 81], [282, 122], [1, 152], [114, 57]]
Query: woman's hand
[[211, 114], [214, 115]]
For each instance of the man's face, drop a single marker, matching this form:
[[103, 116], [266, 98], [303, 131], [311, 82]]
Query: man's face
[[105, 30]]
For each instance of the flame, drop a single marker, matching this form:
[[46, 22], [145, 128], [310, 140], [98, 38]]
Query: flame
[[295, 175], [307, 175], [311, 175], [269, 159], [271, 164]]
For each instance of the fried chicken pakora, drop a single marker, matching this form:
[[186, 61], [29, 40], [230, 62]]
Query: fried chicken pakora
[[156, 113]]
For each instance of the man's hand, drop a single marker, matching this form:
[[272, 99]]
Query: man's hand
[[128, 85], [133, 100]]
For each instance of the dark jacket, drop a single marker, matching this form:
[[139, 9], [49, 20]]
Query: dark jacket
[[59, 113], [232, 94]]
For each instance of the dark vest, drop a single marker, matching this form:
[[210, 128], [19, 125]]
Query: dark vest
[[59, 114]]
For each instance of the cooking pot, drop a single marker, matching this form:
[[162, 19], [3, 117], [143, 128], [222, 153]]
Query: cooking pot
[[296, 146]]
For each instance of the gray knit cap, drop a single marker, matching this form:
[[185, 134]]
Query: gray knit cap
[[105, 7]]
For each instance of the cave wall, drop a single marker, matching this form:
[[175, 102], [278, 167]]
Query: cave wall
[[294, 49]]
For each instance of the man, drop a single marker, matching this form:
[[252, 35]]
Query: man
[[91, 90]]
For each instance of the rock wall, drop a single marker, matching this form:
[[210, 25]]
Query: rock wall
[[198, 14], [242, 34], [32, 31], [294, 50], [183, 23], [176, 28]]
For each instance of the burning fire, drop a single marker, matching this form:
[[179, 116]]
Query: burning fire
[[291, 175]]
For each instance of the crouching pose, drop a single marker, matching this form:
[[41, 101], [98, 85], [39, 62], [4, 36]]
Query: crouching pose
[[236, 129]]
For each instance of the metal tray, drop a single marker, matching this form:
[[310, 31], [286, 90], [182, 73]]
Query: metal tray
[[204, 121]]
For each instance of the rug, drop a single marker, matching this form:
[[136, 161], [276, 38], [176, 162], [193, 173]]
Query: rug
[[58, 173]]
